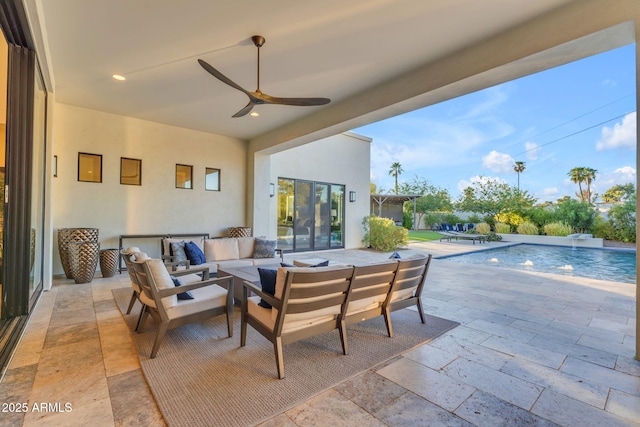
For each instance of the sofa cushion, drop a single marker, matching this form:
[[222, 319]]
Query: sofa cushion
[[268, 283], [177, 251], [246, 246], [166, 244], [264, 248], [194, 254], [132, 249], [221, 249]]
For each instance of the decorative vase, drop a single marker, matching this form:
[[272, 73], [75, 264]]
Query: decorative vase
[[239, 232], [108, 262], [72, 235], [83, 260]]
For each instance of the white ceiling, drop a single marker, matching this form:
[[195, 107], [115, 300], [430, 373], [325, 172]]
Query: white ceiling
[[331, 48]]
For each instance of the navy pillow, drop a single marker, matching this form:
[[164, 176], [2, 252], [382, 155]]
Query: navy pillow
[[284, 264], [268, 283], [322, 264], [194, 254], [185, 295]]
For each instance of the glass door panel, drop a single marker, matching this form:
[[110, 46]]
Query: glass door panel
[[285, 213], [303, 218], [337, 216], [37, 187], [322, 221]]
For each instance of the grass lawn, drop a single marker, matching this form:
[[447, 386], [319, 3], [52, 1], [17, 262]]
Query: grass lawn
[[424, 235]]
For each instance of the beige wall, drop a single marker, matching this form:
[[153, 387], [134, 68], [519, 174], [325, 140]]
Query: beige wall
[[156, 206], [340, 159]]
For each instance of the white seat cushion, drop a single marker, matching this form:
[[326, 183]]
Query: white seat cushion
[[203, 298], [291, 324]]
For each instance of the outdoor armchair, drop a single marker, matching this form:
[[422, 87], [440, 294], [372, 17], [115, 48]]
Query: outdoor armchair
[[370, 287], [210, 297], [406, 290], [306, 302]]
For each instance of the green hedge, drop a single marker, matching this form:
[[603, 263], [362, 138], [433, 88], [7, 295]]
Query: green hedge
[[383, 234]]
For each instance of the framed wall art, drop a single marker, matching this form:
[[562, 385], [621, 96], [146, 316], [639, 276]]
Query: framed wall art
[[184, 176], [130, 171], [212, 179], [89, 167]]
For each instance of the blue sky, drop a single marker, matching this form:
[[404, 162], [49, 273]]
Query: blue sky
[[579, 114]]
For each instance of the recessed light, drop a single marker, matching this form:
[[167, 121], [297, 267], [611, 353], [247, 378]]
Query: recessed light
[[254, 114], [118, 77]]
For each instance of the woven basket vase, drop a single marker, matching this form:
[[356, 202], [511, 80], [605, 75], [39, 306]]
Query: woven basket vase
[[71, 235], [83, 260]]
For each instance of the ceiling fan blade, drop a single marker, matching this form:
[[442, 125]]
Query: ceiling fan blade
[[245, 110], [218, 75], [304, 102]]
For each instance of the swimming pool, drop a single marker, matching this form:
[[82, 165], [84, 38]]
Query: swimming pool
[[604, 264]]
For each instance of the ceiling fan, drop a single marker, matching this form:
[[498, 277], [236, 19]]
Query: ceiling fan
[[257, 97]]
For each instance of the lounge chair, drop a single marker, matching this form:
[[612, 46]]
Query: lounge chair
[[448, 235]]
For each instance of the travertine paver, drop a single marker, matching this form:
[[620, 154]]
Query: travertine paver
[[437, 387]]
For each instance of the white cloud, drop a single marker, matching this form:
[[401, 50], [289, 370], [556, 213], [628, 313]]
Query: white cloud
[[463, 183], [622, 135], [498, 162], [533, 150], [550, 191]]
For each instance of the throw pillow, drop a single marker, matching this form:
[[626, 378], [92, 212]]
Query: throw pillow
[[264, 248], [268, 283], [284, 264], [177, 250], [322, 264], [185, 295], [194, 254]]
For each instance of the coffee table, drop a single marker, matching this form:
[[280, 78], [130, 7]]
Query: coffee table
[[240, 274]]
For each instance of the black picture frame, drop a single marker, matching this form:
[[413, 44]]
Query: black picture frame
[[89, 167]]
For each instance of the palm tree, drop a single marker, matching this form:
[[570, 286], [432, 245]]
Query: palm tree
[[396, 169], [590, 176], [576, 175], [518, 168], [582, 174]]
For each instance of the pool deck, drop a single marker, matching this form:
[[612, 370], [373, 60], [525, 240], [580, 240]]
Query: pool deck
[[533, 349]]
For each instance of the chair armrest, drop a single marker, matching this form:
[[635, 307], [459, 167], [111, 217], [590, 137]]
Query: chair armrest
[[168, 261], [196, 270], [195, 285], [269, 299]]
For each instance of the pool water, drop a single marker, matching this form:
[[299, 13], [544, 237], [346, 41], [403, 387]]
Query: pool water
[[603, 264]]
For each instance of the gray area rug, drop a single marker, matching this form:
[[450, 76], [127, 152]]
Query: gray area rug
[[200, 377]]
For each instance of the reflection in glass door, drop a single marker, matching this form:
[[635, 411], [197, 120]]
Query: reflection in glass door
[[37, 185], [310, 215], [303, 215]]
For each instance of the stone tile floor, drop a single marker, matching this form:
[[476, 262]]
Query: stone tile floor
[[532, 349]]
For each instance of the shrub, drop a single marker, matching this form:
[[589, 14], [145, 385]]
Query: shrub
[[451, 219], [512, 218], [604, 229], [407, 219], [383, 234], [474, 219], [493, 237], [579, 215], [528, 228], [430, 219], [483, 228], [503, 228], [557, 229]]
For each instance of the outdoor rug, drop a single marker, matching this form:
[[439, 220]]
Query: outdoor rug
[[200, 377]]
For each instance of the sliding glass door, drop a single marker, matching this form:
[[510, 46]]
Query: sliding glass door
[[310, 215]]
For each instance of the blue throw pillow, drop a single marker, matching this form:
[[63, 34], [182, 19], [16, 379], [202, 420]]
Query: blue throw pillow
[[268, 283], [284, 264], [184, 295], [194, 254], [322, 264]]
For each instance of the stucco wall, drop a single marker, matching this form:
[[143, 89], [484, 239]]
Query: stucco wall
[[340, 159], [156, 206]]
